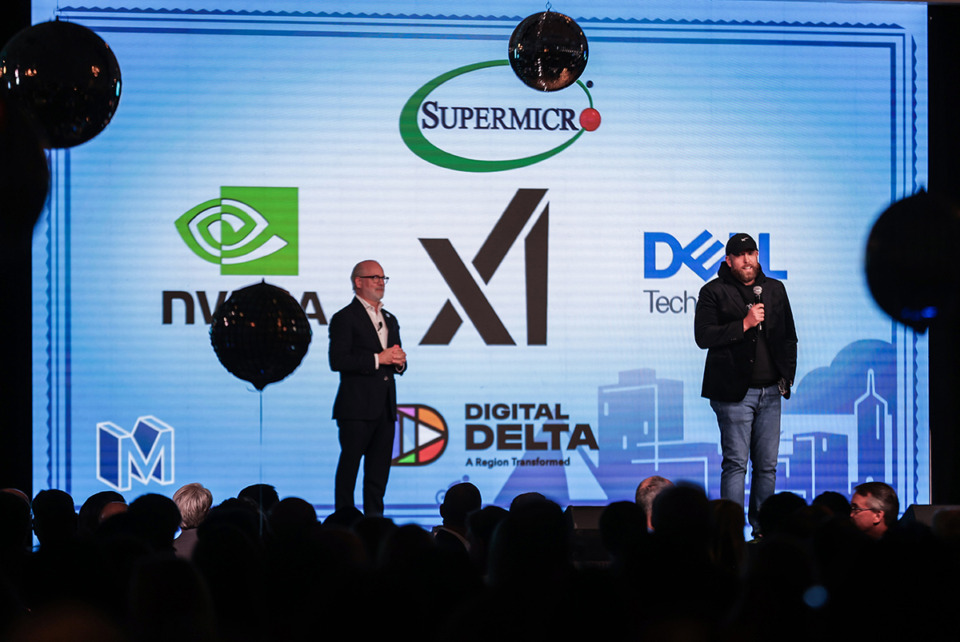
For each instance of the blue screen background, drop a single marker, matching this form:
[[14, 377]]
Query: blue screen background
[[795, 122]]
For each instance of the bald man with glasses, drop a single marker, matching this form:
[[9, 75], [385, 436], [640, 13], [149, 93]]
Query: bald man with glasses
[[365, 350]]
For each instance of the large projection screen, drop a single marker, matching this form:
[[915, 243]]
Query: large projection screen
[[544, 274]]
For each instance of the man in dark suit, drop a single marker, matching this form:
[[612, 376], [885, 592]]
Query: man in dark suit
[[365, 350]]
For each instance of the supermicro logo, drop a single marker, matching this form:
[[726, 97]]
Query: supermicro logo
[[426, 126]]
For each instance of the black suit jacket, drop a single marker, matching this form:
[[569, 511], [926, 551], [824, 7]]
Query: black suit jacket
[[365, 391]]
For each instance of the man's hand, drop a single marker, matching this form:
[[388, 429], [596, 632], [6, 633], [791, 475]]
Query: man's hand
[[754, 317], [393, 356]]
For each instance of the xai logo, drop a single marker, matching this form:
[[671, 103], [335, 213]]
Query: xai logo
[[470, 294], [447, 123], [145, 453], [421, 436], [248, 230]]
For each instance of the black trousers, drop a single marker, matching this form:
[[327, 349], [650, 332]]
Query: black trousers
[[371, 441]]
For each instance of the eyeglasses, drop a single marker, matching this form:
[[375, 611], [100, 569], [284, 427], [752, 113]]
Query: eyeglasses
[[856, 509], [375, 277]]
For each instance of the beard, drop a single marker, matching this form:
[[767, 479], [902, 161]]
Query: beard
[[745, 274]]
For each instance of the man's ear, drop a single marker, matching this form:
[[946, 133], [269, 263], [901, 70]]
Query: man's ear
[[878, 516]]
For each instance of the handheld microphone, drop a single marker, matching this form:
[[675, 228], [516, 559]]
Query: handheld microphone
[[757, 291]]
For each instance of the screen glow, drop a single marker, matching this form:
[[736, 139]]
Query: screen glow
[[573, 372]]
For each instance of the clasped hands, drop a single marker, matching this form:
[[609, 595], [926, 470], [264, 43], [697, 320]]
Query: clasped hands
[[393, 356]]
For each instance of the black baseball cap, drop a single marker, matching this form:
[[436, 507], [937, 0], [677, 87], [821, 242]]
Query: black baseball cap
[[740, 243]]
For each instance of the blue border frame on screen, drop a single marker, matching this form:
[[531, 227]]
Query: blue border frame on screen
[[893, 37]]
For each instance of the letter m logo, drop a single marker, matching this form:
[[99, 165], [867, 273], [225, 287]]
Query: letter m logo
[[468, 291], [145, 453]]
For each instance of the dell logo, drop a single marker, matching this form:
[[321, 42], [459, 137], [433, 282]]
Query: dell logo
[[703, 255]]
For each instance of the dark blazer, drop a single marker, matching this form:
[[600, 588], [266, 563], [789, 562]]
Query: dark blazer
[[364, 390], [718, 327]]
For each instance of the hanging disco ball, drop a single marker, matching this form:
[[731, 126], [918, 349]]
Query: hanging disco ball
[[65, 77], [548, 51]]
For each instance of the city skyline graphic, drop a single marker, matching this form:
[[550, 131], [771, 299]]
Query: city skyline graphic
[[846, 423]]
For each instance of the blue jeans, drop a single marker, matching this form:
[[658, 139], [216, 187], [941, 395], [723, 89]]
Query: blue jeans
[[749, 429]]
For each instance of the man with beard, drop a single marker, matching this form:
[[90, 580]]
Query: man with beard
[[744, 321]]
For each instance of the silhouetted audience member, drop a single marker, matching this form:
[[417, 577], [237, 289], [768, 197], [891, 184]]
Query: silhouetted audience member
[[681, 562], [17, 492], [373, 531], [265, 496], [530, 575], [647, 491], [458, 502], [526, 498], [239, 513], [88, 519], [530, 548], [681, 513], [15, 528], [54, 516], [779, 584], [15, 539], [692, 578], [194, 502], [12, 606], [315, 573], [776, 510], [623, 534], [836, 503], [292, 518], [111, 509], [169, 600], [345, 517], [946, 526], [412, 570], [65, 568], [403, 548], [481, 525], [727, 544], [155, 519], [230, 557]]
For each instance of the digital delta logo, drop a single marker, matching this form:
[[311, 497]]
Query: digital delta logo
[[248, 230], [453, 123], [421, 436]]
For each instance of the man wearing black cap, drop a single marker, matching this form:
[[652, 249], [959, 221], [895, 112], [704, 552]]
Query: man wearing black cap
[[743, 320]]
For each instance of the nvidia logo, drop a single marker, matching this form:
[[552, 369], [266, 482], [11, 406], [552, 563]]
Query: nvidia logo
[[248, 230]]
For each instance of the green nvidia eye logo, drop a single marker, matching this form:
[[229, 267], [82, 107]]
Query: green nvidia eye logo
[[248, 230]]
